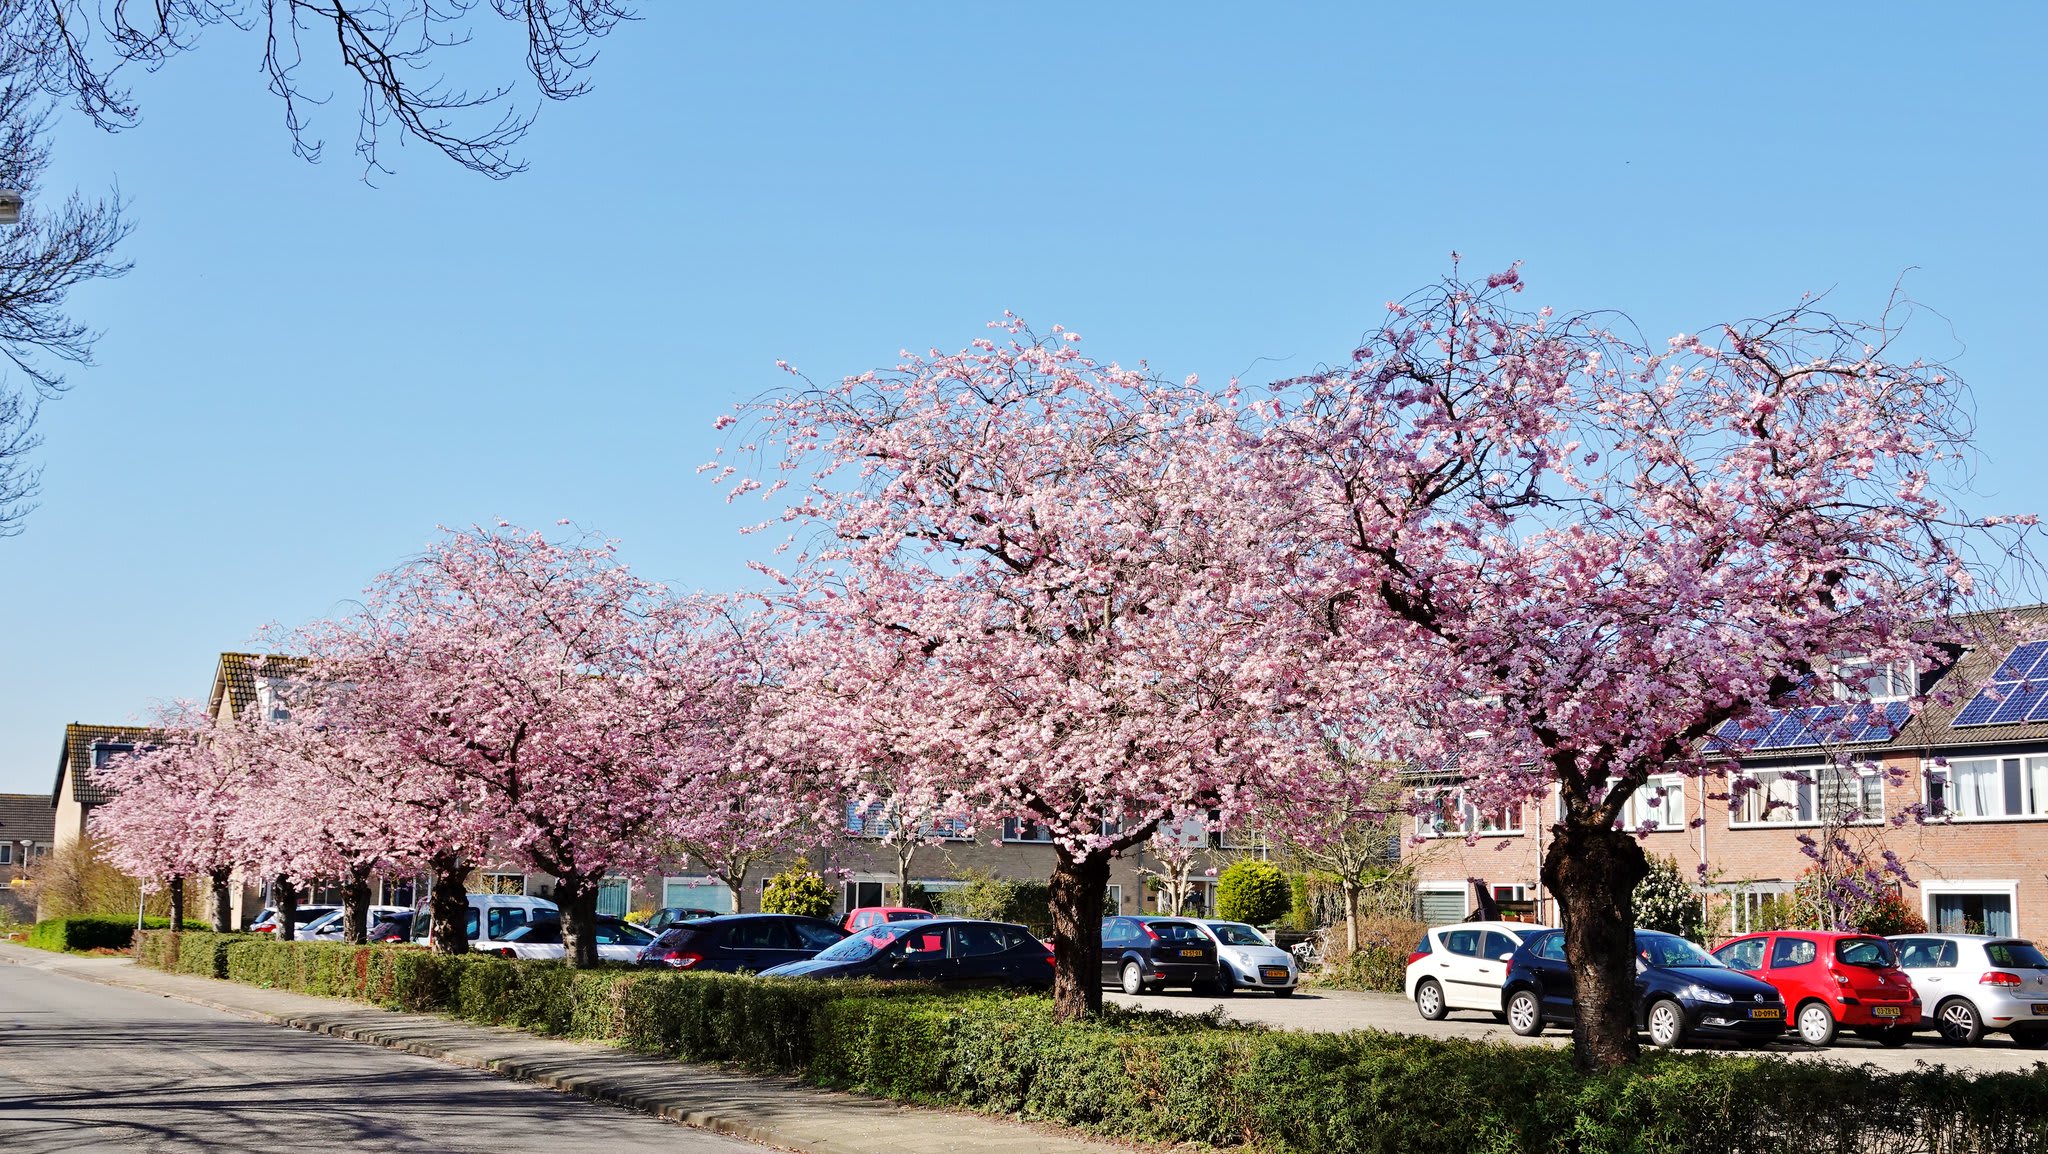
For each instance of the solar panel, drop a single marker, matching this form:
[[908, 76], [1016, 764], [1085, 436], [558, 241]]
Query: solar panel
[[2017, 690], [1817, 725]]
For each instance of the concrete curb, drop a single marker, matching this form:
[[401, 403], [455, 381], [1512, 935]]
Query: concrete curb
[[810, 1121]]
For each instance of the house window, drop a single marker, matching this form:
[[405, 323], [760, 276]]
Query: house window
[[1748, 902], [858, 894], [614, 897], [1449, 814], [1865, 680], [870, 820], [6, 853], [1113, 900], [1659, 803], [1440, 903], [1024, 829], [1989, 787], [402, 891], [696, 893], [503, 884], [1971, 907], [1808, 795], [1236, 836], [106, 751]]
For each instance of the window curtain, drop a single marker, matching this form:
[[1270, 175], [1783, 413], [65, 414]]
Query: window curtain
[[1978, 788]]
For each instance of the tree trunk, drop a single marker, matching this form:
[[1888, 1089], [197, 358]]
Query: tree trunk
[[738, 886], [450, 909], [223, 908], [1594, 873], [177, 887], [355, 906], [578, 898], [1077, 888], [903, 876], [284, 898], [1350, 918]]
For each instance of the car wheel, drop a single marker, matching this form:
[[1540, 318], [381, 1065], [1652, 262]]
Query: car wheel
[[1816, 1024], [1134, 979], [1667, 1024], [1429, 1000], [1892, 1037], [1958, 1022], [1525, 1013], [2031, 1038]]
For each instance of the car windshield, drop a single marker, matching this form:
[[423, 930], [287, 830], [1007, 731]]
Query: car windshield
[[1866, 952], [1178, 933], [1237, 934], [864, 944], [626, 933], [908, 915], [2018, 955], [1666, 951]]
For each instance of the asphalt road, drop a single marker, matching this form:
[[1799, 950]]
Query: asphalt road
[[1312, 1009], [87, 1067]]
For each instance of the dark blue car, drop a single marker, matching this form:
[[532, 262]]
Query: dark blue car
[[1681, 990], [948, 951]]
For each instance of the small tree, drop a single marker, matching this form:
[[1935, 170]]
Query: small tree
[[797, 890], [1253, 891], [1665, 901]]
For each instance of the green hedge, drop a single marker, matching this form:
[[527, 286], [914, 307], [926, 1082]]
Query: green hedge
[[93, 933], [1176, 1078]]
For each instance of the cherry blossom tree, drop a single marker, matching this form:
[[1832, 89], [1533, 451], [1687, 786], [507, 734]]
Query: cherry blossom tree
[[169, 818], [1577, 557], [1054, 570], [569, 702]]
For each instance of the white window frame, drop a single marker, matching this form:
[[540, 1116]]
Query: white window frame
[[1945, 772], [1810, 797], [1860, 669], [1113, 898], [1469, 816], [1018, 823], [2002, 887], [1462, 889], [696, 881], [1744, 898], [1670, 783]]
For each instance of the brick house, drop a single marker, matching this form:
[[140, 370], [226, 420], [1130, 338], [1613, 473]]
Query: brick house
[[1976, 757]]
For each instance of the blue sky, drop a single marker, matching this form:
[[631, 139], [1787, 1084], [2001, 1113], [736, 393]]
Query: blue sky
[[304, 374]]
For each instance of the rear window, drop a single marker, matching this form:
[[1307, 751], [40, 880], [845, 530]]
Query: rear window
[[1866, 952], [1180, 933], [2018, 955], [676, 935], [907, 915]]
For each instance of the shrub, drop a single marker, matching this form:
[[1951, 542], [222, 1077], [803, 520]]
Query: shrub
[[1890, 914], [1253, 891], [797, 890], [1185, 1079], [92, 933], [1666, 901], [993, 899], [1381, 960]]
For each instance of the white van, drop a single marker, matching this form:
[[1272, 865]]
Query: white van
[[491, 917]]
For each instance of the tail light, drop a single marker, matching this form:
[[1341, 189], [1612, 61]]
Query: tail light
[[1417, 956], [1149, 931], [681, 960], [2001, 978]]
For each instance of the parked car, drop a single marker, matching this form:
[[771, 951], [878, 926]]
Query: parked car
[[394, 927], [1831, 980], [491, 917], [948, 951], [667, 916], [329, 927], [1973, 984], [1143, 954], [736, 943], [267, 921], [864, 916], [618, 940], [1464, 967], [1247, 960], [1681, 990]]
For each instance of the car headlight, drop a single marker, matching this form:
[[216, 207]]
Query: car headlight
[[1703, 994]]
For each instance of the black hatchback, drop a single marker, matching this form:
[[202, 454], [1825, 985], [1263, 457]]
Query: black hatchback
[[1680, 990], [1144, 954], [733, 943], [948, 951]]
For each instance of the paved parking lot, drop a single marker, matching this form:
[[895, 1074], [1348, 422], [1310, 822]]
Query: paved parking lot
[[1349, 1010]]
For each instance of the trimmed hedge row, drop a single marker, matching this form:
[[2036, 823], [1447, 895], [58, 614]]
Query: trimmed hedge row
[[1174, 1078], [93, 933]]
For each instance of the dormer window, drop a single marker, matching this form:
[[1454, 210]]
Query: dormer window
[[1865, 680]]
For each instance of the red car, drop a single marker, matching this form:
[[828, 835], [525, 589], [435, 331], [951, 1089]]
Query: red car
[[1831, 980], [864, 916]]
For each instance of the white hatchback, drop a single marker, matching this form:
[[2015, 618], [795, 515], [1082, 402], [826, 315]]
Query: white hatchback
[[1464, 966], [1247, 961]]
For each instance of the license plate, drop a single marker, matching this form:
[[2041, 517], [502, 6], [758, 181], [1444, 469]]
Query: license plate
[[1884, 1011], [1191, 953], [2041, 1007], [1768, 1012], [1274, 973]]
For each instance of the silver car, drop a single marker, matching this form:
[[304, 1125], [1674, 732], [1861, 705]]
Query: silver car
[[1245, 960], [1974, 984]]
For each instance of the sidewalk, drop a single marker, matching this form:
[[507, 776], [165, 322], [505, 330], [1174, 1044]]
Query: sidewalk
[[779, 1112]]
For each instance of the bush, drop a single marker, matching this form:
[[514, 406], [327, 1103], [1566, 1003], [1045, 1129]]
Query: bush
[[93, 933], [1665, 901], [1890, 914], [1253, 891], [1182, 1079], [797, 890], [992, 899], [1381, 960]]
